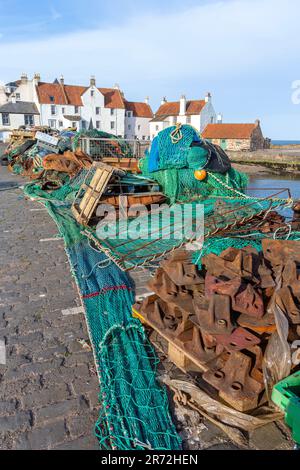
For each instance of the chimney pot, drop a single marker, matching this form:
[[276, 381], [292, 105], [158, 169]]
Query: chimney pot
[[24, 77], [164, 100], [182, 106], [62, 80], [208, 97], [147, 100]]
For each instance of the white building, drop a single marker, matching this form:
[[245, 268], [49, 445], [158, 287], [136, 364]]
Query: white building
[[85, 107], [197, 113], [15, 114]]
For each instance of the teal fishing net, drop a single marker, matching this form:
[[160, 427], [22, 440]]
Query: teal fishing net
[[134, 412]]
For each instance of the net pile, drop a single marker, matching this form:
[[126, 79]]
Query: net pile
[[134, 408]]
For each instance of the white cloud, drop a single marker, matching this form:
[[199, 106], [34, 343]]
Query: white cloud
[[226, 39]]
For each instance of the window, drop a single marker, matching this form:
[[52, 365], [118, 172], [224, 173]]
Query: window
[[18, 96], [92, 92], [112, 112], [139, 127], [148, 138], [76, 109], [5, 119], [212, 120], [174, 119], [53, 109], [144, 137], [112, 125], [129, 126], [52, 123], [98, 111], [83, 125], [28, 119], [51, 99], [129, 113], [125, 136], [98, 124], [60, 123], [157, 128], [188, 119], [63, 110], [74, 124]]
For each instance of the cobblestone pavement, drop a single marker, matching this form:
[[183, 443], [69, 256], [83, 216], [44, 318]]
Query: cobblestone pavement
[[48, 386]]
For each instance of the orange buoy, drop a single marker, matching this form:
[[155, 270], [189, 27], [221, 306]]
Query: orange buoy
[[200, 175]]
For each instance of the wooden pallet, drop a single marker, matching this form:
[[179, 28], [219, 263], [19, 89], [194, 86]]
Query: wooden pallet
[[183, 359], [92, 192]]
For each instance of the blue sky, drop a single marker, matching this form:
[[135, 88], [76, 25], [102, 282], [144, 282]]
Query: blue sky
[[245, 52]]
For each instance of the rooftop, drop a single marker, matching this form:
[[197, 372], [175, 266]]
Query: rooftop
[[20, 107], [228, 131]]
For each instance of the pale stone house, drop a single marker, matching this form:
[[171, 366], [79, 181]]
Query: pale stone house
[[197, 113], [85, 107], [236, 137], [15, 114]]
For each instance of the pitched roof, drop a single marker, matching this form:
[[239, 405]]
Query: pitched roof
[[71, 94], [20, 107], [74, 93], [139, 109], [112, 98], [173, 108], [228, 131]]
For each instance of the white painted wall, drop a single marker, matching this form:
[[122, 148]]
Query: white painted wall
[[137, 127], [17, 120], [58, 117], [199, 121], [3, 96], [207, 116]]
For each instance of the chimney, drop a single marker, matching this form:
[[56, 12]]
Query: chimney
[[147, 100], [257, 122], [116, 86], [92, 80], [219, 118], [163, 101], [62, 80], [208, 97], [24, 78], [182, 105], [36, 78]]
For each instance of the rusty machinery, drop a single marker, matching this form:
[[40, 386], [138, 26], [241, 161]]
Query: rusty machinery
[[220, 315]]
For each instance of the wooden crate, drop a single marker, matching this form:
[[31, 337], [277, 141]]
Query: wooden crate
[[92, 192]]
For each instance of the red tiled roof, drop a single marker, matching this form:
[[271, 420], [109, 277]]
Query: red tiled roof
[[139, 109], [45, 90], [71, 94], [228, 131], [173, 108], [74, 94], [112, 98]]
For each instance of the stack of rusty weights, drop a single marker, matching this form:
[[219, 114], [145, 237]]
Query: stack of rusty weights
[[220, 315]]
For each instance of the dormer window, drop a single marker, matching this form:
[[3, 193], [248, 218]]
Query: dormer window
[[52, 99]]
